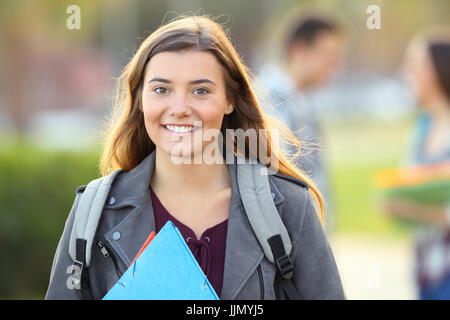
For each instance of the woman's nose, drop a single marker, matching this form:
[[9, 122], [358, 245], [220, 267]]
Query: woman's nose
[[180, 107]]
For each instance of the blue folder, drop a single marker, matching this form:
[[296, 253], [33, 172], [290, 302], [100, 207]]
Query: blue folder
[[165, 270]]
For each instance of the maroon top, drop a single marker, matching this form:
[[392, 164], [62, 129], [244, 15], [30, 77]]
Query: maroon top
[[209, 250]]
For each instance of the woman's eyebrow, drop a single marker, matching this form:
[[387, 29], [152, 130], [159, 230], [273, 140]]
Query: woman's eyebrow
[[190, 82], [202, 81], [159, 80]]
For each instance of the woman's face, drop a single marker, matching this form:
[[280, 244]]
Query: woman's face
[[183, 96], [419, 73]]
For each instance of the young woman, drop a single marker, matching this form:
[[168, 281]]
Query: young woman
[[427, 66], [187, 79]]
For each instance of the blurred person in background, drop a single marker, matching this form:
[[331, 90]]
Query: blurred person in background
[[311, 56], [427, 70]]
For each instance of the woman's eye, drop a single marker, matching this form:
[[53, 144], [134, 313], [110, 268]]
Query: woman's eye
[[201, 91], [161, 90]]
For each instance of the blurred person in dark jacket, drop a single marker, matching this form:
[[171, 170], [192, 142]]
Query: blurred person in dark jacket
[[311, 56]]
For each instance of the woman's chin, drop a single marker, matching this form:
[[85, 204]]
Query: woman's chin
[[182, 154]]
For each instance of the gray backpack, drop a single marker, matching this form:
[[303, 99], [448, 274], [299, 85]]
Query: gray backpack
[[258, 204]]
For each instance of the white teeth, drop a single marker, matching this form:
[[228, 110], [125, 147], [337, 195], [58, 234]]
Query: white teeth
[[180, 129]]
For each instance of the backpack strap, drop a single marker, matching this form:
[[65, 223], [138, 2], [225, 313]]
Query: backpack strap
[[285, 267], [265, 220], [85, 223], [261, 211]]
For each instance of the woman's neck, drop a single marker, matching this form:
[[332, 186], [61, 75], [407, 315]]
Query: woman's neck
[[197, 178]]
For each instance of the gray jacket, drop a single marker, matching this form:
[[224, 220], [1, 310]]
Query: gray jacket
[[128, 219]]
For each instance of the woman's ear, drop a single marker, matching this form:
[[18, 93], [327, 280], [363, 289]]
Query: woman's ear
[[229, 108]]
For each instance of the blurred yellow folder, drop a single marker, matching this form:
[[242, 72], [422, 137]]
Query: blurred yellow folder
[[425, 183]]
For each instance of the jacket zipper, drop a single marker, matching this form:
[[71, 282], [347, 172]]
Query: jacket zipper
[[107, 251], [261, 282]]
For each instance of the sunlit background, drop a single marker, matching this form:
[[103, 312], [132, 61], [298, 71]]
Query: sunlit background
[[56, 89]]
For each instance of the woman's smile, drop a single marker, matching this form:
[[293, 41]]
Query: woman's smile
[[180, 130]]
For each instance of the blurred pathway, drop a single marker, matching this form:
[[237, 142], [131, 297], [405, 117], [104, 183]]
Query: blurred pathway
[[374, 267]]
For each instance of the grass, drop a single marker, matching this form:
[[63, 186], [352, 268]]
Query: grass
[[355, 151], [355, 204]]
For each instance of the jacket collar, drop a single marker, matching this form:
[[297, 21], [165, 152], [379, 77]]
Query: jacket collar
[[133, 186], [242, 254]]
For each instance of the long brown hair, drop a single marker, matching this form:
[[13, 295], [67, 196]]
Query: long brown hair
[[127, 142], [435, 40]]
